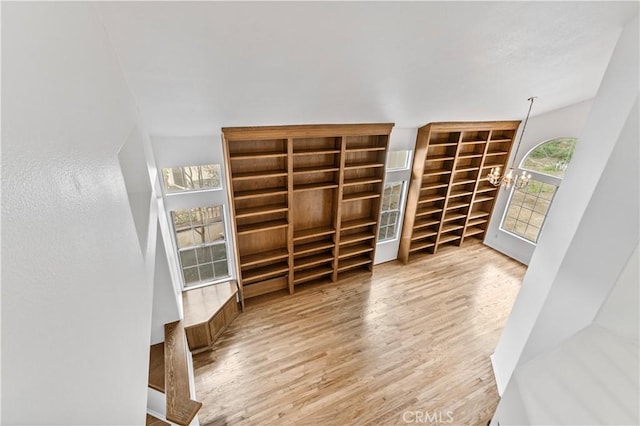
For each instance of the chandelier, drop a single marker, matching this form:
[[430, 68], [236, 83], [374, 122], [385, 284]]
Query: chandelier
[[512, 178]]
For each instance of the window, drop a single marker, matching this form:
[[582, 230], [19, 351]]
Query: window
[[191, 178], [201, 244], [550, 158], [527, 208], [398, 160], [390, 211]]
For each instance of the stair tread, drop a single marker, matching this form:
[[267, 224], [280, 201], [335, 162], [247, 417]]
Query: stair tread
[[156, 367], [154, 421]]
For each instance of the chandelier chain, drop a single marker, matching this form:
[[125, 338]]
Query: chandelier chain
[[524, 126], [511, 178]]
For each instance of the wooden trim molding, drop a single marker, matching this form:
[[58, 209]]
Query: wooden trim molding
[[306, 131]]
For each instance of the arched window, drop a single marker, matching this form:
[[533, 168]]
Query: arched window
[[527, 208]]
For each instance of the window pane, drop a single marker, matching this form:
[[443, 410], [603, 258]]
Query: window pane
[[518, 197], [196, 229], [219, 252], [189, 178], [513, 212], [184, 238], [389, 211], [384, 219], [536, 220], [551, 157], [393, 217], [214, 232], [541, 205], [391, 231], [204, 254], [221, 269], [531, 233], [521, 227], [382, 233], [547, 192], [524, 215], [385, 203], [398, 160], [527, 210], [188, 258], [509, 224], [191, 275], [206, 272]]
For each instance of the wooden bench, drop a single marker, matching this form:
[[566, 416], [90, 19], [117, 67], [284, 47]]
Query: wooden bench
[[208, 311]]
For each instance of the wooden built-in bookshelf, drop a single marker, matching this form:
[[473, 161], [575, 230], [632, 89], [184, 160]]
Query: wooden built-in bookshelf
[[305, 201], [449, 198]]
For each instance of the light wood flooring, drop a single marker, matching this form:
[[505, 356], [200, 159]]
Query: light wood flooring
[[404, 344]]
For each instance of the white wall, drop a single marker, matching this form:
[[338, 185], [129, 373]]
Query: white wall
[[133, 163], [620, 314], [166, 300], [589, 233], [564, 122], [76, 302]]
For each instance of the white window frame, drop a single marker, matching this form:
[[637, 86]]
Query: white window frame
[[194, 190], [540, 177], [199, 284], [398, 210], [407, 163]]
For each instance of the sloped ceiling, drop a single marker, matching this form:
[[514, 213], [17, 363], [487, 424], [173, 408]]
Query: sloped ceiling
[[196, 67]]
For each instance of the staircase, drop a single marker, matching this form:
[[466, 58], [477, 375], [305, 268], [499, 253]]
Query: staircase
[[168, 374]]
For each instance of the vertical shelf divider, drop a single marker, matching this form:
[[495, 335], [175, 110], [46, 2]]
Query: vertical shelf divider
[[447, 199], [337, 221], [479, 179], [290, 213]]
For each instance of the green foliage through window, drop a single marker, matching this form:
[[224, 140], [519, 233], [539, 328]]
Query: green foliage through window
[[551, 158]]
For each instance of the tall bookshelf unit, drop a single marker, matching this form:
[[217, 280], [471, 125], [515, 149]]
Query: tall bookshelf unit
[[305, 201], [449, 199]]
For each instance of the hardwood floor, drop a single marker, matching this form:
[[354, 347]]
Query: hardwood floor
[[403, 345]]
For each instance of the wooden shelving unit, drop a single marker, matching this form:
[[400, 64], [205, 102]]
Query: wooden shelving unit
[[305, 201], [449, 199]]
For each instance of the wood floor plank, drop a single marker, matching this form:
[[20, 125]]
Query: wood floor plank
[[371, 349]]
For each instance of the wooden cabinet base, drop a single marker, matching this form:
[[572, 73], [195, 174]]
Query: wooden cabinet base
[[208, 311]]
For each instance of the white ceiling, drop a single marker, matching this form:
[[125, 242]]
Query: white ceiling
[[196, 67]]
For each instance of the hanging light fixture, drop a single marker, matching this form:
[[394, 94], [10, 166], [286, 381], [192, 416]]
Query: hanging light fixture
[[512, 178]]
